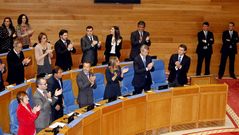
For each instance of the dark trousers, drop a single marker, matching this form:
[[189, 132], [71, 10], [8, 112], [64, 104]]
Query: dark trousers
[[201, 57], [56, 114], [139, 90], [223, 64], [112, 99]]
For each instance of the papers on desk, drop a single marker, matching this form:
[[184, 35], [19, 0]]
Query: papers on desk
[[97, 104], [70, 114], [54, 125]]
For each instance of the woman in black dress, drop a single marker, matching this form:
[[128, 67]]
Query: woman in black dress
[[7, 34], [114, 75], [113, 44]]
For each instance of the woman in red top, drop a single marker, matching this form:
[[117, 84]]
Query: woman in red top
[[25, 115]]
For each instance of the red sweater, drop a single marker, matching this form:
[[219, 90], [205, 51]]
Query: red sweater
[[26, 120]]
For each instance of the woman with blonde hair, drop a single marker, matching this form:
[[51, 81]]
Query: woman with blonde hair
[[114, 75]]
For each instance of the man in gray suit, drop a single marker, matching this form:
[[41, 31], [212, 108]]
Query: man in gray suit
[[89, 45], [86, 84], [44, 99]]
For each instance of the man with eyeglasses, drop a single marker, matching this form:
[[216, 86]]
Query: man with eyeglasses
[[45, 99], [16, 62]]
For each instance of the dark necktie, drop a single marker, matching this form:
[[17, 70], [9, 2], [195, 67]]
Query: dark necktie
[[180, 59], [144, 61], [45, 94]]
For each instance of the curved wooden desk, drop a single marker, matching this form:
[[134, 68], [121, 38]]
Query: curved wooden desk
[[195, 105]]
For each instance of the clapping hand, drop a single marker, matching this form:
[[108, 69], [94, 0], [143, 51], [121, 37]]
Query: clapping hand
[[2, 66], [92, 79], [49, 94], [99, 43], [94, 42], [147, 38], [58, 92], [125, 70], [49, 51], [36, 109], [150, 65], [26, 61], [70, 46], [177, 63], [118, 41]]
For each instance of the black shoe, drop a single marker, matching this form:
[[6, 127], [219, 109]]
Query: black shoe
[[219, 77], [234, 77]]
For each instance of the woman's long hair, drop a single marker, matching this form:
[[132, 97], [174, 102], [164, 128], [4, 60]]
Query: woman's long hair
[[11, 24], [117, 33], [113, 64]]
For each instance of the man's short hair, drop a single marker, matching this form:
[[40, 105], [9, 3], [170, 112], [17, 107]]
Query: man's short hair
[[38, 81], [62, 31], [141, 23], [16, 42], [205, 23], [144, 47], [89, 27], [86, 62], [232, 23], [183, 46], [56, 70]]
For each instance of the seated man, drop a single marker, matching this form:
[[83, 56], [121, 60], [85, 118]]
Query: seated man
[[178, 67]]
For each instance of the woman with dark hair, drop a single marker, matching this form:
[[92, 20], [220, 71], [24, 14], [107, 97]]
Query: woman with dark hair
[[113, 75], [43, 55], [113, 43], [7, 34], [26, 115], [24, 31]]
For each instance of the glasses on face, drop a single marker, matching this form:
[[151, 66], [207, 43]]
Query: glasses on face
[[44, 84]]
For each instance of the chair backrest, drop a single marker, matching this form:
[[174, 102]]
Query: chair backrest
[[13, 116], [30, 96], [98, 93], [1, 132], [127, 87], [69, 98], [158, 76]]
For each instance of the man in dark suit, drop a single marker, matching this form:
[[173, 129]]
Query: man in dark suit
[[143, 65], [55, 83], [89, 45], [229, 49], [64, 48], [16, 62], [178, 67], [139, 38], [204, 48], [86, 84], [45, 100]]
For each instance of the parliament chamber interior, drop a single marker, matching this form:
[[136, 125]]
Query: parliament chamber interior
[[205, 102]]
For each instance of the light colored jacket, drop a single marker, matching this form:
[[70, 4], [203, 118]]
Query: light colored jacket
[[39, 53]]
